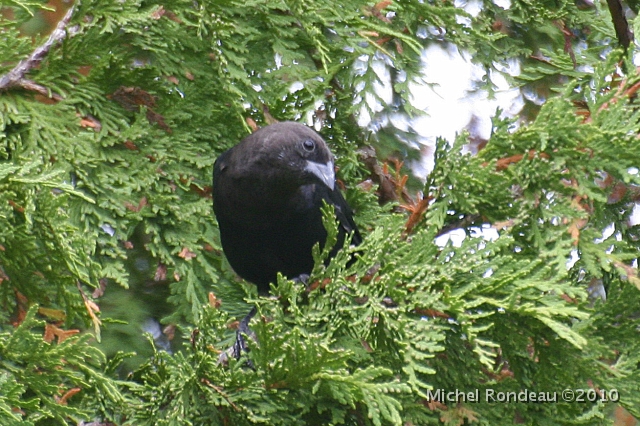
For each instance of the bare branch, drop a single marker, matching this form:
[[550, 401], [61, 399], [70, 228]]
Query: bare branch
[[15, 77], [35, 87], [620, 23]]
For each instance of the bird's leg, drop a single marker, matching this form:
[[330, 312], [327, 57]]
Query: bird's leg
[[243, 328], [240, 345]]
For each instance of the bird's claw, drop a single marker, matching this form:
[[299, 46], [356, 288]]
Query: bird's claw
[[302, 279]]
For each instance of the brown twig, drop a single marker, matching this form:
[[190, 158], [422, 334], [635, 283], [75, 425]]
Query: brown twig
[[32, 86], [15, 77], [220, 391], [568, 36], [620, 23]]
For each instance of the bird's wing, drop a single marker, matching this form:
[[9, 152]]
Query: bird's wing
[[344, 214]]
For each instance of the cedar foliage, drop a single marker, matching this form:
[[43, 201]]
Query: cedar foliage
[[108, 143]]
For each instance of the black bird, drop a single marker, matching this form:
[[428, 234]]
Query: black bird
[[267, 195]]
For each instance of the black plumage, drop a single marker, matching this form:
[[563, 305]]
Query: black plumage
[[267, 195]]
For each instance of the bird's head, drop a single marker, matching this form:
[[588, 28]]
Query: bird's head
[[295, 152]]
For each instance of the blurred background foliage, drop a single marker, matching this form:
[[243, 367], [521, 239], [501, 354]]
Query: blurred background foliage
[[112, 114]]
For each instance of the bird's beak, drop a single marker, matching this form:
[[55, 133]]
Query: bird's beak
[[324, 172]]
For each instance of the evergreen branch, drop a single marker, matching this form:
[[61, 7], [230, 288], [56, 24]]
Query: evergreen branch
[[383, 328], [15, 77]]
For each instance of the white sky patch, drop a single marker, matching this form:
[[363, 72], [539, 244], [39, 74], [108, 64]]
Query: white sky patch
[[487, 231], [451, 100], [296, 87], [574, 258], [606, 233], [505, 4], [635, 215], [382, 88], [456, 237], [108, 229]]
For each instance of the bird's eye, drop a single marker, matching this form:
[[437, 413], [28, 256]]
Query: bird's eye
[[309, 145]]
